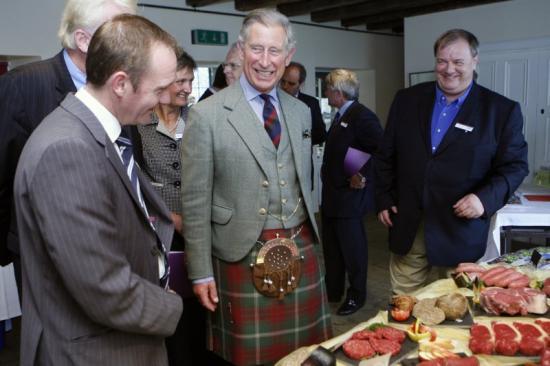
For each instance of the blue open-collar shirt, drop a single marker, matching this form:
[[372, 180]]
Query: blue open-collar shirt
[[443, 115]]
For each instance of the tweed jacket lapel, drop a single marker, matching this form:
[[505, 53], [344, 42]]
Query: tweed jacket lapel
[[245, 122]]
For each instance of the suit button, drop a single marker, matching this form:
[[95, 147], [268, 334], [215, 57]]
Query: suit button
[[282, 182], [177, 183], [265, 183], [284, 201], [173, 146], [175, 165], [262, 211], [280, 166]]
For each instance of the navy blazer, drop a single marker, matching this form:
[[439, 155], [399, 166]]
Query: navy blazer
[[27, 95], [359, 128], [318, 131], [489, 161]]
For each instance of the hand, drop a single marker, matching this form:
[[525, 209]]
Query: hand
[[176, 219], [469, 207], [207, 294], [357, 181], [384, 216]]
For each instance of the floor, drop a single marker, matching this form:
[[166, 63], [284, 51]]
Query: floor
[[378, 292]]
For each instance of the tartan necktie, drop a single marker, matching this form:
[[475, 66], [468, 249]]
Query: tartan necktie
[[271, 120], [126, 151]]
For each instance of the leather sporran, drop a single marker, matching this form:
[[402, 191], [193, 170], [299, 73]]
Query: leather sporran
[[277, 269]]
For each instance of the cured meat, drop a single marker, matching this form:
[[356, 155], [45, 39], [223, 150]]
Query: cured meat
[[358, 349], [383, 346], [495, 300], [391, 334]]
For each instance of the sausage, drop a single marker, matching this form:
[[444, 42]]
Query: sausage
[[494, 279], [491, 272], [522, 282], [509, 279]]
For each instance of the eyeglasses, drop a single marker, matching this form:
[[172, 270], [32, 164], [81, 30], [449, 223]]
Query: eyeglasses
[[231, 65]]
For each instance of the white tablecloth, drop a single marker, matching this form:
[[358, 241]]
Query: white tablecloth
[[528, 213]]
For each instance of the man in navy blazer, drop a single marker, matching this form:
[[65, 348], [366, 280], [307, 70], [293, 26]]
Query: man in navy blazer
[[345, 197], [30, 92], [452, 154]]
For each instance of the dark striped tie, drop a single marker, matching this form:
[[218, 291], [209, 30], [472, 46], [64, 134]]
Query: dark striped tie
[[271, 120], [126, 151]]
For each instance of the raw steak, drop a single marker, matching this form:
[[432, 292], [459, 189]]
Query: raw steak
[[358, 349], [383, 346]]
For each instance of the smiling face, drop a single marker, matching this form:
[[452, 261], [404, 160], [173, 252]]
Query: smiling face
[[454, 68], [137, 105], [181, 88], [265, 56]]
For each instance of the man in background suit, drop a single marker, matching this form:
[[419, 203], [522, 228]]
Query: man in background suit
[[344, 197], [452, 154], [245, 180], [94, 234], [293, 79], [30, 92]]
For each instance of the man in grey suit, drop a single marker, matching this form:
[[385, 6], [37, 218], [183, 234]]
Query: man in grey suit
[[241, 187], [93, 232]]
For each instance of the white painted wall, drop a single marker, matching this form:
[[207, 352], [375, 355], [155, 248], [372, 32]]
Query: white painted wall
[[491, 23], [29, 27]]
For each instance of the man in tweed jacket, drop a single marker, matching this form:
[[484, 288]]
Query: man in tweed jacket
[[240, 188]]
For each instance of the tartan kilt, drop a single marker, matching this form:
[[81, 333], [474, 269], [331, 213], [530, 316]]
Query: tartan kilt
[[248, 328]]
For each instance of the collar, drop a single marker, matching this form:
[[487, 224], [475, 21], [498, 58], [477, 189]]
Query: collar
[[106, 119], [442, 99], [79, 77], [345, 107], [250, 92]]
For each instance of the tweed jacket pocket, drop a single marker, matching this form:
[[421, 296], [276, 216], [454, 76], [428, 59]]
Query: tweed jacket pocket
[[221, 215]]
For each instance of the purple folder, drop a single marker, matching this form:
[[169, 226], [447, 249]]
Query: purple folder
[[354, 161], [178, 280]]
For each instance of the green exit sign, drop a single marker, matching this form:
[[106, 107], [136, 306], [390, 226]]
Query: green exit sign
[[210, 37]]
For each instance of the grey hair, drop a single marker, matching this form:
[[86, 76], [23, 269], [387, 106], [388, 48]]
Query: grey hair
[[267, 17], [88, 15], [345, 81], [454, 35]]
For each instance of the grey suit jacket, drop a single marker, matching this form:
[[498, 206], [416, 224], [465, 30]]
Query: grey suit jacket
[[223, 168], [90, 279]]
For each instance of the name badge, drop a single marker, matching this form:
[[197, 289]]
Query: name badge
[[464, 127], [344, 124]]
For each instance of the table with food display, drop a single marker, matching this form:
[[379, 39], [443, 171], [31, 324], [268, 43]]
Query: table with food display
[[489, 313]]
